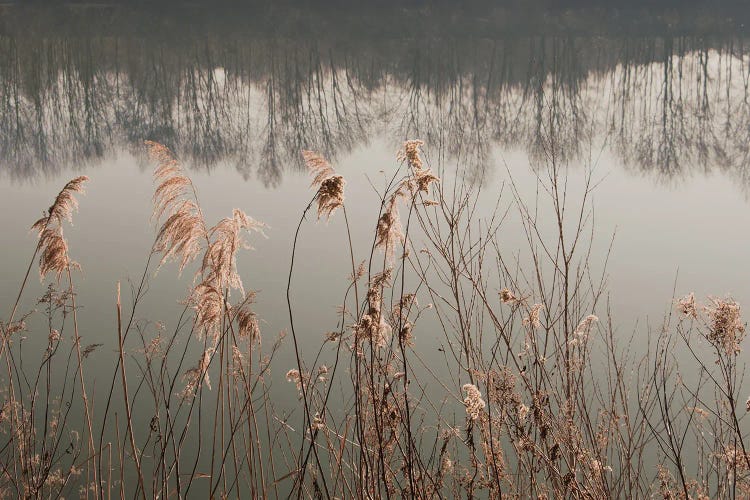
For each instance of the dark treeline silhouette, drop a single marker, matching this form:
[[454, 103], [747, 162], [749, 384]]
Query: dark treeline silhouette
[[666, 104], [454, 5], [377, 18]]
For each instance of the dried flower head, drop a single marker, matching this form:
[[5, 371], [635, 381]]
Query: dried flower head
[[726, 329], [507, 297], [473, 401], [318, 167], [184, 230], [64, 205], [687, 306], [238, 359], [446, 464], [523, 412], [734, 458], [208, 303], [410, 152], [53, 257], [330, 196], [358, 272], [405, 335], [331, 336], [581, 333], [389, 232], [197, 376], [295, 376], [52, 247], [90, 349], [533, 318], [54, 336], [247, 322], [375, 329], [219, 265], [317, 423], [330, 186], [422, 180]]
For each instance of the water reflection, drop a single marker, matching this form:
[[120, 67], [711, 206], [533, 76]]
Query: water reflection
[[666, 105]]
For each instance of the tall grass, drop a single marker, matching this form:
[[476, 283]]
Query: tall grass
[[539, 397]]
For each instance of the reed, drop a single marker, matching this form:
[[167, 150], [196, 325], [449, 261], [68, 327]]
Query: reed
[[540, 398]]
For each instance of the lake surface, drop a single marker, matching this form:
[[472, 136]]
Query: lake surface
[[661, 119]]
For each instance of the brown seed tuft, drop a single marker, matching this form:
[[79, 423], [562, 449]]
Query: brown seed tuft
[[183, 231], [330, 186], [52, 245]]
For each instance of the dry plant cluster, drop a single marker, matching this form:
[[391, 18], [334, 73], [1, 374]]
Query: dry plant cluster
[[541, 398]]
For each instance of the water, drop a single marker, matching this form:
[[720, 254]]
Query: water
[[662, 119]]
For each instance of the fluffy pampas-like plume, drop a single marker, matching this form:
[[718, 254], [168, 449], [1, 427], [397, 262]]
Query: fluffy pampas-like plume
[[52, 246], [330, 186], [183, 230], [219, 265]]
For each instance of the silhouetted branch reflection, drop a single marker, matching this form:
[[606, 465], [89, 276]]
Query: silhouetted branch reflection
[[667, 106]]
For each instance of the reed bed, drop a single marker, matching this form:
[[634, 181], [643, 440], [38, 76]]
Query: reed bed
[[542, 398]]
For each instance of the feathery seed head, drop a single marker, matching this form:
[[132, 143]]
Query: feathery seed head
[[726, 329], [318, 166], [330, 186], [219, 265], [581, 333], [183, 231], [507, 297], [247, 322], [533, 318], [523, 412], [52, 246], [687, 306], [410, 152], [330, 195], [389, 232], [208, 304], [473, 401]]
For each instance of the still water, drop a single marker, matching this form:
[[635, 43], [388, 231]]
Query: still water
[[662, 121]]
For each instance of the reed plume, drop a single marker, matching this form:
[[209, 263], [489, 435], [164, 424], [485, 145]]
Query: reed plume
[[247, 321], [473, 401], [208, 303], [508, 297], [197, 376], [581, 333], [219, 265], [330, 195], [390, 232], [184, 230], [533, 319], [726, 329], [420, 178], [219, 275], [183, 236], [409, 153], [687, 306], [52, 245]]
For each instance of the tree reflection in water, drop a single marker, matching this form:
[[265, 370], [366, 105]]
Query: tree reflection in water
[[666, 105]]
